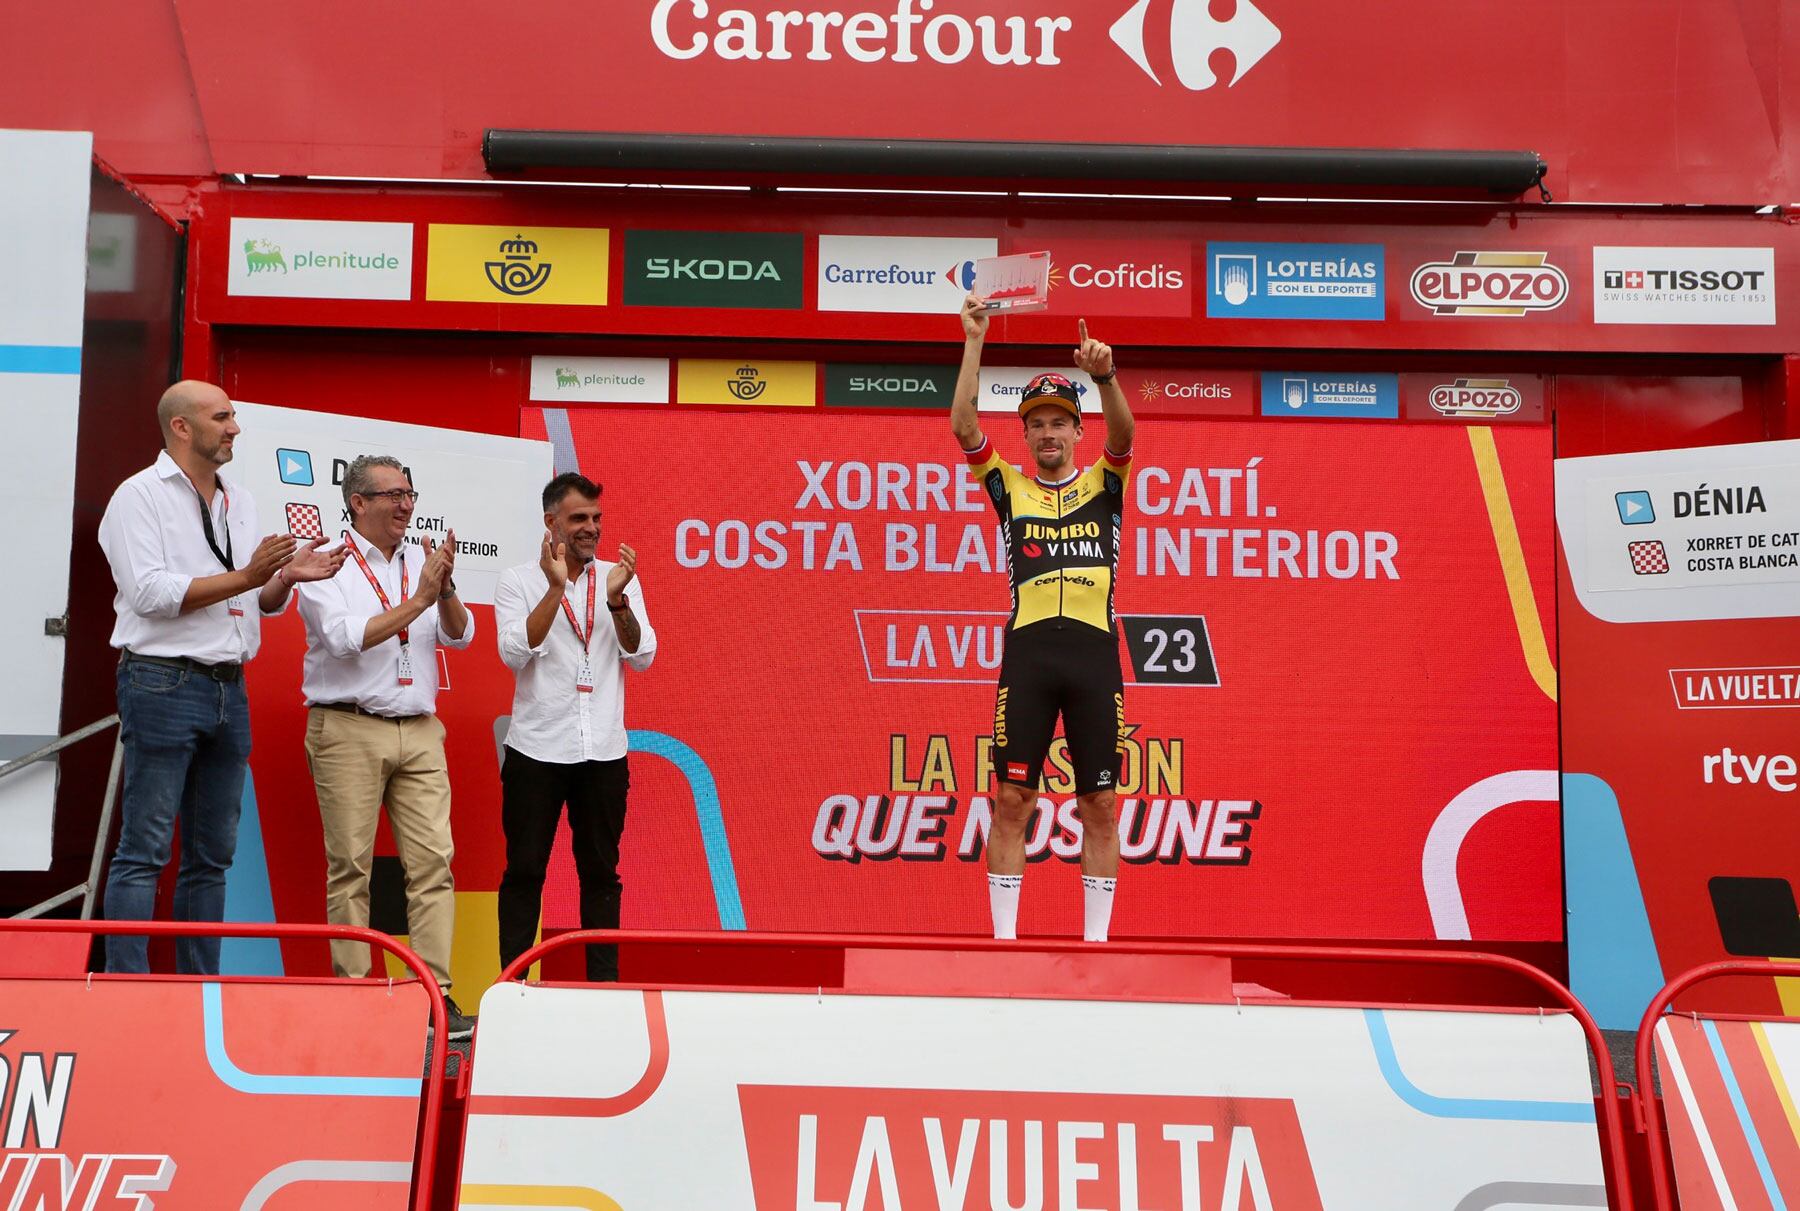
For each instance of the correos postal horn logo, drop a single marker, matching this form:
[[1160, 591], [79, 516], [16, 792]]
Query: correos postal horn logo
[[515, 273], [914, 33], [1490, 283]]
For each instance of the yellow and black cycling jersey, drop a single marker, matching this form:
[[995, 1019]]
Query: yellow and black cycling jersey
[[1062, 540]]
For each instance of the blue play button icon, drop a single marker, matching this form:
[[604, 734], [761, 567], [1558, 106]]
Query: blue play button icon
[[295, 467], [1635, 508]]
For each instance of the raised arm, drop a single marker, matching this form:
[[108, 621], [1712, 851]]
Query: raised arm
[[1096, 358], [965, 417]]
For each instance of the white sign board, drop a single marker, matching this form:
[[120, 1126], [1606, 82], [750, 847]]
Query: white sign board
[[600, 380], [1003, 386], [44, 186], [486, 488], [319, 259], [917, 274], [1671, 535], [1684, 285], [847, 1102]]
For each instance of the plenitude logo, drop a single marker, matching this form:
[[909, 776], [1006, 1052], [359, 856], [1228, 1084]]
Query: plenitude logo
[[748, 269], [319, 259]]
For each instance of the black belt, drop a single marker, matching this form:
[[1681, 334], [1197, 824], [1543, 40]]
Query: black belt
[[350, 708], [218, 672]]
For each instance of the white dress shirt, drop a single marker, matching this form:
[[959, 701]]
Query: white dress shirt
[[337, 614], [551, 719], [155, 544]]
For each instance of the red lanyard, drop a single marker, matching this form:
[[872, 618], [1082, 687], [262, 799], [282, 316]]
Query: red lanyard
[[586, 638], [380, 593]]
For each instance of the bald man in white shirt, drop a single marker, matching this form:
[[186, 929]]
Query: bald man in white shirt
[[194, 579], [567, 741]]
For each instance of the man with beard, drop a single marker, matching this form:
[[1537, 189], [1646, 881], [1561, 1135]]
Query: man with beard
[[193, 580], [567, 740], [1062, 657]]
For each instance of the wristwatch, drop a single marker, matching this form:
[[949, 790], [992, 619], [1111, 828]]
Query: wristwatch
[[623, 605], [449, 589], [1108, 377]]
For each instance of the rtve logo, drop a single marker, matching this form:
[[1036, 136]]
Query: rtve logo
[[914, 33]]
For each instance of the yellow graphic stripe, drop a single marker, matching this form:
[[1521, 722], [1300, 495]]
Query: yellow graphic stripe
[[1788, 989], [1781, 1088], [571, 1198], [1512, 560]]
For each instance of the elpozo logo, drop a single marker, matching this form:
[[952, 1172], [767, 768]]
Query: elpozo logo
[[472, 263], [1476, 397], [1490, 284], [746, 269], [912, 33], [319, 259]]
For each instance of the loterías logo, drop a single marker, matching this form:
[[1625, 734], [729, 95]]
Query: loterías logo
[[917, 31]]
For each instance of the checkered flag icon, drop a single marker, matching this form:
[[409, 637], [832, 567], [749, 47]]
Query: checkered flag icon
[[1648, 558], [304, 521]]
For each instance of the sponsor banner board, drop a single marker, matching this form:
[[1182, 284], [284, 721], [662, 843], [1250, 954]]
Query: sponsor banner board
[[1701, 544], [323, 1112], [1682, 534], [921, 274], [1489, 283], [1249, 551], [1476, 398], [469, 263], [1189, 392], [482, 486], [600, 380], [1003, 386], [750, 269], [1306, 393], [1090, 277], [1684, 285], [765, 384], [319, 259], [44, 191], [1296, 281], [888, 385], [775, 1101]]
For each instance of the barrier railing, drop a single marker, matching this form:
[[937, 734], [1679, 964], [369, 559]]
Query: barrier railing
[[432, 1105], [87, 889], [1647, 1109], [1612, 1126]]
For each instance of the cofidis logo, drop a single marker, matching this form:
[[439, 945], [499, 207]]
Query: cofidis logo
[[1295, 281]]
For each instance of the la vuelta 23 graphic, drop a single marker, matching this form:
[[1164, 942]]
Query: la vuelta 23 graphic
[[1341, 624]]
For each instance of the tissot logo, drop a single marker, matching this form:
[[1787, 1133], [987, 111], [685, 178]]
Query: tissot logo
[[947, 32], [713, 269]]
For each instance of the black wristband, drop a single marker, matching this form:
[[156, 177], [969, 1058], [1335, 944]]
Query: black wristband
[[1108, 377], [624, 605]]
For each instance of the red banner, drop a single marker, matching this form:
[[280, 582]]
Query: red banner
[[1322, 647]]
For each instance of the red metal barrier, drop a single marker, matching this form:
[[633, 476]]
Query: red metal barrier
[[1647, 1108], [1612, 1126], [431, 1110]]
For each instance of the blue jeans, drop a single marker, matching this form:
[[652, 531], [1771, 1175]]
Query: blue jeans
[[187, 745]]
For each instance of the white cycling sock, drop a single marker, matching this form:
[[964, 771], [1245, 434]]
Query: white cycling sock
[[1096, 906], [1003, 900]]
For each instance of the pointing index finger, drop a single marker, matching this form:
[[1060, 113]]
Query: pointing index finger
[[1081, 329]]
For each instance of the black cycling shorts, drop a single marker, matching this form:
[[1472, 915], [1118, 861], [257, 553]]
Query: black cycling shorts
[[1051, 668]]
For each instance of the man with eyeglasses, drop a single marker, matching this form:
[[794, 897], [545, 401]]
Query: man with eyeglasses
[[372, 737]]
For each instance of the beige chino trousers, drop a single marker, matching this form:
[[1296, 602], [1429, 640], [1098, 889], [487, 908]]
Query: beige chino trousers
[[358, 763]]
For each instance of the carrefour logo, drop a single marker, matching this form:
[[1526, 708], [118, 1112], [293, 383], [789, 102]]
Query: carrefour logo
[[914, 33]]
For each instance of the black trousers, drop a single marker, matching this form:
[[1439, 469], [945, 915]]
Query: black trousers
[[532, 796]]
